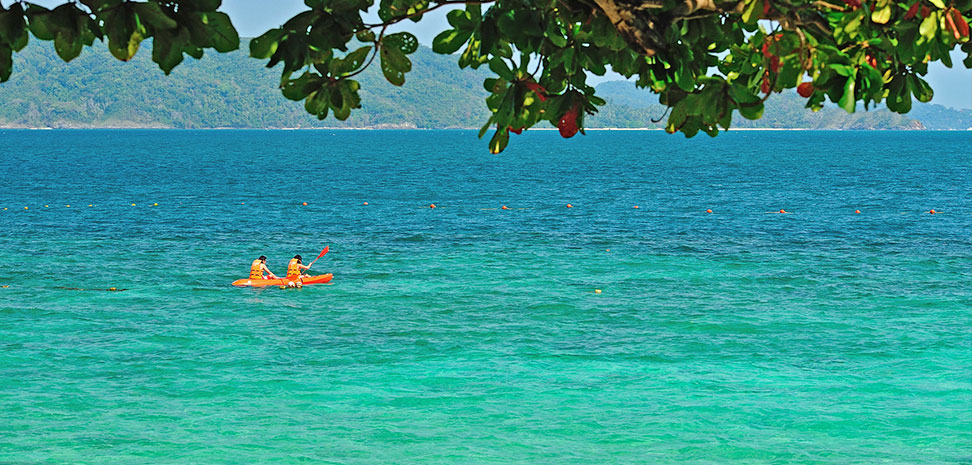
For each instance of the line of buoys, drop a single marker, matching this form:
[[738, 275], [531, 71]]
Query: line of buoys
[[504, 207]]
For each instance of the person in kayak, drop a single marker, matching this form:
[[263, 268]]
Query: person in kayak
[[295, 267], [258, 267]]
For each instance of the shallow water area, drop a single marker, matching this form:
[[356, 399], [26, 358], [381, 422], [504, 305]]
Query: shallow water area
[[472, 334]]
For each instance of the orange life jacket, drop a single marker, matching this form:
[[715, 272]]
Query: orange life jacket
[[293, 268], [256, 269]]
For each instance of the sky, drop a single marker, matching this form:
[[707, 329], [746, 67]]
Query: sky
[[953, 87]]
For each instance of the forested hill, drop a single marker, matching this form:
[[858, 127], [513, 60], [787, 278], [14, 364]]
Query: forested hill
[[234, 91]]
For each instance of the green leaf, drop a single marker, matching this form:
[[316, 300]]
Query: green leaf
[[123, 38], [749, 15], [365, 35], [264, 46], [300, 88], [394, 65], [222, 34], [352, 61], [498, 66], [6, 62], [96, 5], [922, 91], [167, 48], [403, 41], [13, 27], [939, 3], [882, 15], [499, 141], [450, 41], [929, 26], [848, 101], [39, 22], [150, 13], [751, 111], [554, 34]]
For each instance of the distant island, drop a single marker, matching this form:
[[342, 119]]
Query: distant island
[[234, 91]]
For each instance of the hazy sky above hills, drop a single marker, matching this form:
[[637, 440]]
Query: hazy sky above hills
[[953, 87]]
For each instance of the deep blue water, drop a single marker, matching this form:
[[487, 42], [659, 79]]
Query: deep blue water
[[472, 334]]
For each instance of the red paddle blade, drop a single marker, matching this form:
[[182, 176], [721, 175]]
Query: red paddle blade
[[324, 251]]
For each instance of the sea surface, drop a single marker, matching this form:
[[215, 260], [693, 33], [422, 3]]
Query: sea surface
[[469, 334]]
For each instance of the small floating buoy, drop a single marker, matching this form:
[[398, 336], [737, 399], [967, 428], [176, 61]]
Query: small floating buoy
[[431, 205], [597, 291], [283, 287], [570, 206], [857, 211], [607, 250], [112, 288], [932, 211], [505, 207], [782, 211], [242, 203], [133, 204], [90, 205], [25, 208], [155, 205], [366, 203], [636, 207], [5, 286], [709, 211], [46, 206], [67, 206], [304, 204]]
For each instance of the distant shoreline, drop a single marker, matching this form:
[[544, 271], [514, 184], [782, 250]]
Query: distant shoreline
[[166, 128]]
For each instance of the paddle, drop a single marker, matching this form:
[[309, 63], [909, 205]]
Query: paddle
[[323, 252]]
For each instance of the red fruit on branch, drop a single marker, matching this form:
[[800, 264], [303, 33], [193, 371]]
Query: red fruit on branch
[[537, 89], [766, 8], [960, 21], [568, 123], [925, 11], [913, 10], [805, 89], [766, 50], [854, 4], [775, 64], [514, 131], [958, 25], [765, 87]]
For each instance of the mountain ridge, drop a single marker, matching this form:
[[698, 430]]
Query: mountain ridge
[[235, 91]]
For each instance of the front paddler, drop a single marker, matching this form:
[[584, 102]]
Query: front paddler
[[258, 267], [295, 267]]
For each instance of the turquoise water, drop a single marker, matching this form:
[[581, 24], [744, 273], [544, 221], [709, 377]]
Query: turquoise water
[[471, 334]]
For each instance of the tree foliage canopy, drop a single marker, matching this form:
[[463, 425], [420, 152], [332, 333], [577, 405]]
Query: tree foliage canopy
[[705, 58]]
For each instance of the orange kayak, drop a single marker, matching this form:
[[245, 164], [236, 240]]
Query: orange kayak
[[319, 279]]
